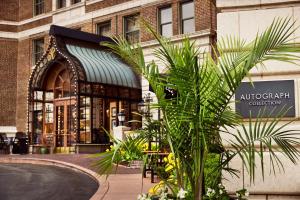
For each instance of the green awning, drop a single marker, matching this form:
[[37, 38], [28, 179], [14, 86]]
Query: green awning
[[104, 67]]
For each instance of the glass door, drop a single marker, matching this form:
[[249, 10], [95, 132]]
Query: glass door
[[65, 123], [60, 126], [71, 124]]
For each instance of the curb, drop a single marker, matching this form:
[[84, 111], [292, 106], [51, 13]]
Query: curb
[[103, 184]]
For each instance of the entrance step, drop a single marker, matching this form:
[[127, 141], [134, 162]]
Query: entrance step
[[65, 150]]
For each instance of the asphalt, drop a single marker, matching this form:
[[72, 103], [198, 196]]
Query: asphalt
[[124, 184], [34, 182]]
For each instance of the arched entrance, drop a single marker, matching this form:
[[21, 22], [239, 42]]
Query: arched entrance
[[75, 93]]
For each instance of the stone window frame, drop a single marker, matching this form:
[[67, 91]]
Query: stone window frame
[[127, 33], [38, 7], [188, 18], [103, 24], [160, 25], [37, 54], [61, 4]]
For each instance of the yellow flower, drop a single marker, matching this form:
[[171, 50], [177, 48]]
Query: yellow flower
[[169, 168], [156, 189], [107, 150], [165, 159], [171, 157], [151, 191], [145, 146]]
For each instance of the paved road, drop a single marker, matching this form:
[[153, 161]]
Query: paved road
[[34, 182]]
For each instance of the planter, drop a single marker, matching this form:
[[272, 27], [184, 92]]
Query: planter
[[136, 164], [44, 150]]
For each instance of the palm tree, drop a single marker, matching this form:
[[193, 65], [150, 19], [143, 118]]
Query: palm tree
[[205, 83]]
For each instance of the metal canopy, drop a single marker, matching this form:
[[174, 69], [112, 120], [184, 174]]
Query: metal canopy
[[104, 67]]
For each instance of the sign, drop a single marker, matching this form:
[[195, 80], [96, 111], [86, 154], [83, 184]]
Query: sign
[[266, 95]]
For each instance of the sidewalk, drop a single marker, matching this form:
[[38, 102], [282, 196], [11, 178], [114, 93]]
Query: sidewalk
[[126, 184]]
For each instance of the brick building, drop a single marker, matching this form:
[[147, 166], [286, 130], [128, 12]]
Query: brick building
[[25, 25], [24, 37]]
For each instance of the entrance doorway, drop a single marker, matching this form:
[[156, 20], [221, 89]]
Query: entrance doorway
[[64, 123], [74, 98]]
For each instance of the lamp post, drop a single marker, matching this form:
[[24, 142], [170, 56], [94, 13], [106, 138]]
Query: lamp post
[[121, 118], [144, 106], [144, 110]]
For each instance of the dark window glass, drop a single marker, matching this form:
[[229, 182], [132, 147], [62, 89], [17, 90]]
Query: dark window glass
[[165, 18], [38, 49], [132, 29], [104, 29], [187, 17], [38, 7], [60, 4], [75, 1]]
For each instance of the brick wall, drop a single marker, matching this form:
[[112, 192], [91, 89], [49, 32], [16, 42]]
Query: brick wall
[[204, 15], [9, 10], [26, 8], [35, 23], [88, 27], [175, 17], [8, 73], [149, 13], [48, 6], [26, 11], [24, 68], [8, 28]]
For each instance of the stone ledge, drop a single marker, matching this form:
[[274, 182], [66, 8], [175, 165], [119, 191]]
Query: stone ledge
[[102, 183]]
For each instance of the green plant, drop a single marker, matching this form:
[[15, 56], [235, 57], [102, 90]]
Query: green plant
[[121, 151], [212, 172], [200, 110]]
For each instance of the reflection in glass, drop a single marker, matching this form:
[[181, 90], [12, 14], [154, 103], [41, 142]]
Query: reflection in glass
[[38, 122], [189, 26], [132, 29], [104, 29], [38, 95], [165, 15], [85, 120], [187, 17], [49, 96]]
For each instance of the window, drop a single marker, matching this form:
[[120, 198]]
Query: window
[[75, 1], [38, 49], [132, 29], [104, 29], [165, 20], [38, 7], [60, 4], [187, 17]]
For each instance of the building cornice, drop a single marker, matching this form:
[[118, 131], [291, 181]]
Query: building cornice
[[92, 2], [234, 5]]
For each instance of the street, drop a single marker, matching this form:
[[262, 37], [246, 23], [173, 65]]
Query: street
[[32, 182]]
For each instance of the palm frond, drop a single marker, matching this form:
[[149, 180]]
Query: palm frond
[[261, 135]]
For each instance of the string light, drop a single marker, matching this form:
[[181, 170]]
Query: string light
[[39, 66]]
